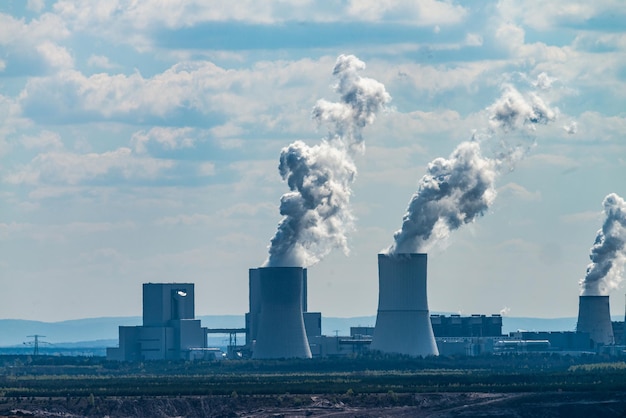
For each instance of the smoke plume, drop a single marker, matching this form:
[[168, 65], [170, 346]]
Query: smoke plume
[[512, 111], [361, 99], [316, 211], [457, 190], [608, 253]]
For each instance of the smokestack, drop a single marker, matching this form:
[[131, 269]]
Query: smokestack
[[403, 322], [280, 330], [594, 317]]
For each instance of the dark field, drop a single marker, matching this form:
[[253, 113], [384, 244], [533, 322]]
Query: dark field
[[531, 385]]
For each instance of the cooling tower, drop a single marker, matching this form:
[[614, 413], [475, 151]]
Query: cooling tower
[[403, 322], [280, 329], [594, 317]]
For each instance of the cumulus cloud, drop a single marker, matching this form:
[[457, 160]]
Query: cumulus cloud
[[169, 138], [55, 56], [246, 96]]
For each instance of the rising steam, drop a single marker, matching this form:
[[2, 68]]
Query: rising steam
[[361, 99], [459, 189], [608, 253], [316, 212]]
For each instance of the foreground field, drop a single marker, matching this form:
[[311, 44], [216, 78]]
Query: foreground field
[[433, 405], [516, 386]]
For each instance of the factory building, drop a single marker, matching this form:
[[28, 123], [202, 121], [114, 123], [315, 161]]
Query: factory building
[[466, 326], [169, 330], [558, 340]]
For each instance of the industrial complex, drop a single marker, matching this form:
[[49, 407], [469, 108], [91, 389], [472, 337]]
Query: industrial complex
[[278, 324]]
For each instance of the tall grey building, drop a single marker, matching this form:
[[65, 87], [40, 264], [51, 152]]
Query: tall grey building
[[169, 330]]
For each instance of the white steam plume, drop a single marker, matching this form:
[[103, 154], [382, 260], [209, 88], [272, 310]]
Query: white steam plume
[[459, 189], [608, 253], [361, 99], [512, 111], [316, 212]]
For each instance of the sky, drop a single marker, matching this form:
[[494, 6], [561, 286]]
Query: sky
[[140, 142]]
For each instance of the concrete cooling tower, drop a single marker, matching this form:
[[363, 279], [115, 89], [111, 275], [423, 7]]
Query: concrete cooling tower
[[403, 322], [594, 317], [280, 330]]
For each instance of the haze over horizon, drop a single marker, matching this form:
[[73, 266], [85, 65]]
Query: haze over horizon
[[140, 142]]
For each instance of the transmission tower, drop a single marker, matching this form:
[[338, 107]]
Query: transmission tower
[[35, 343]]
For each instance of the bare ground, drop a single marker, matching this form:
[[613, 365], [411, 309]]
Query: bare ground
[[432, 405]]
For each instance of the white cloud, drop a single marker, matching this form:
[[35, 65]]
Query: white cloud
[[246, 95], [438, 79], [178, 14], [100, 61], [71, 168], [17, 32], [35, 5], [571, 128], [168, 138], [519, 192], [421, 13], [45, 139], [542, 15], [206, 169], [59, 232], [510, 36]]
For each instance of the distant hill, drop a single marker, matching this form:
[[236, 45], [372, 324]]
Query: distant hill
[[15, 331]]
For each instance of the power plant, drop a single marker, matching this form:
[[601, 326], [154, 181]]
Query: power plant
[[403, 322], [280, 331], [594, 317], [169, 329]]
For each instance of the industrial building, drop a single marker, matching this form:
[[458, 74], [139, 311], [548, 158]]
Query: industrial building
[[557, 340], [402, 321], [594, 317], [278, 324], [169, 331], [469, 326]]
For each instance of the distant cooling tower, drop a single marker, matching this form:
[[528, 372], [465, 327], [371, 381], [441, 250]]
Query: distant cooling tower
[[594, 317], [280, 329], [403, 322]]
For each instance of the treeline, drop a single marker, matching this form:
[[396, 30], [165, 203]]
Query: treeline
[[79, 377], [43, 365]]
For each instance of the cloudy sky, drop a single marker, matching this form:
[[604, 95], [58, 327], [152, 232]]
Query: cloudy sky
[[140, 142]]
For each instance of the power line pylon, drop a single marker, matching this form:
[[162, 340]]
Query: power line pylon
[[35, 343]]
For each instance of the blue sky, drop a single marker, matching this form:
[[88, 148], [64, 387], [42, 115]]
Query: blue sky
[[139, 141]]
